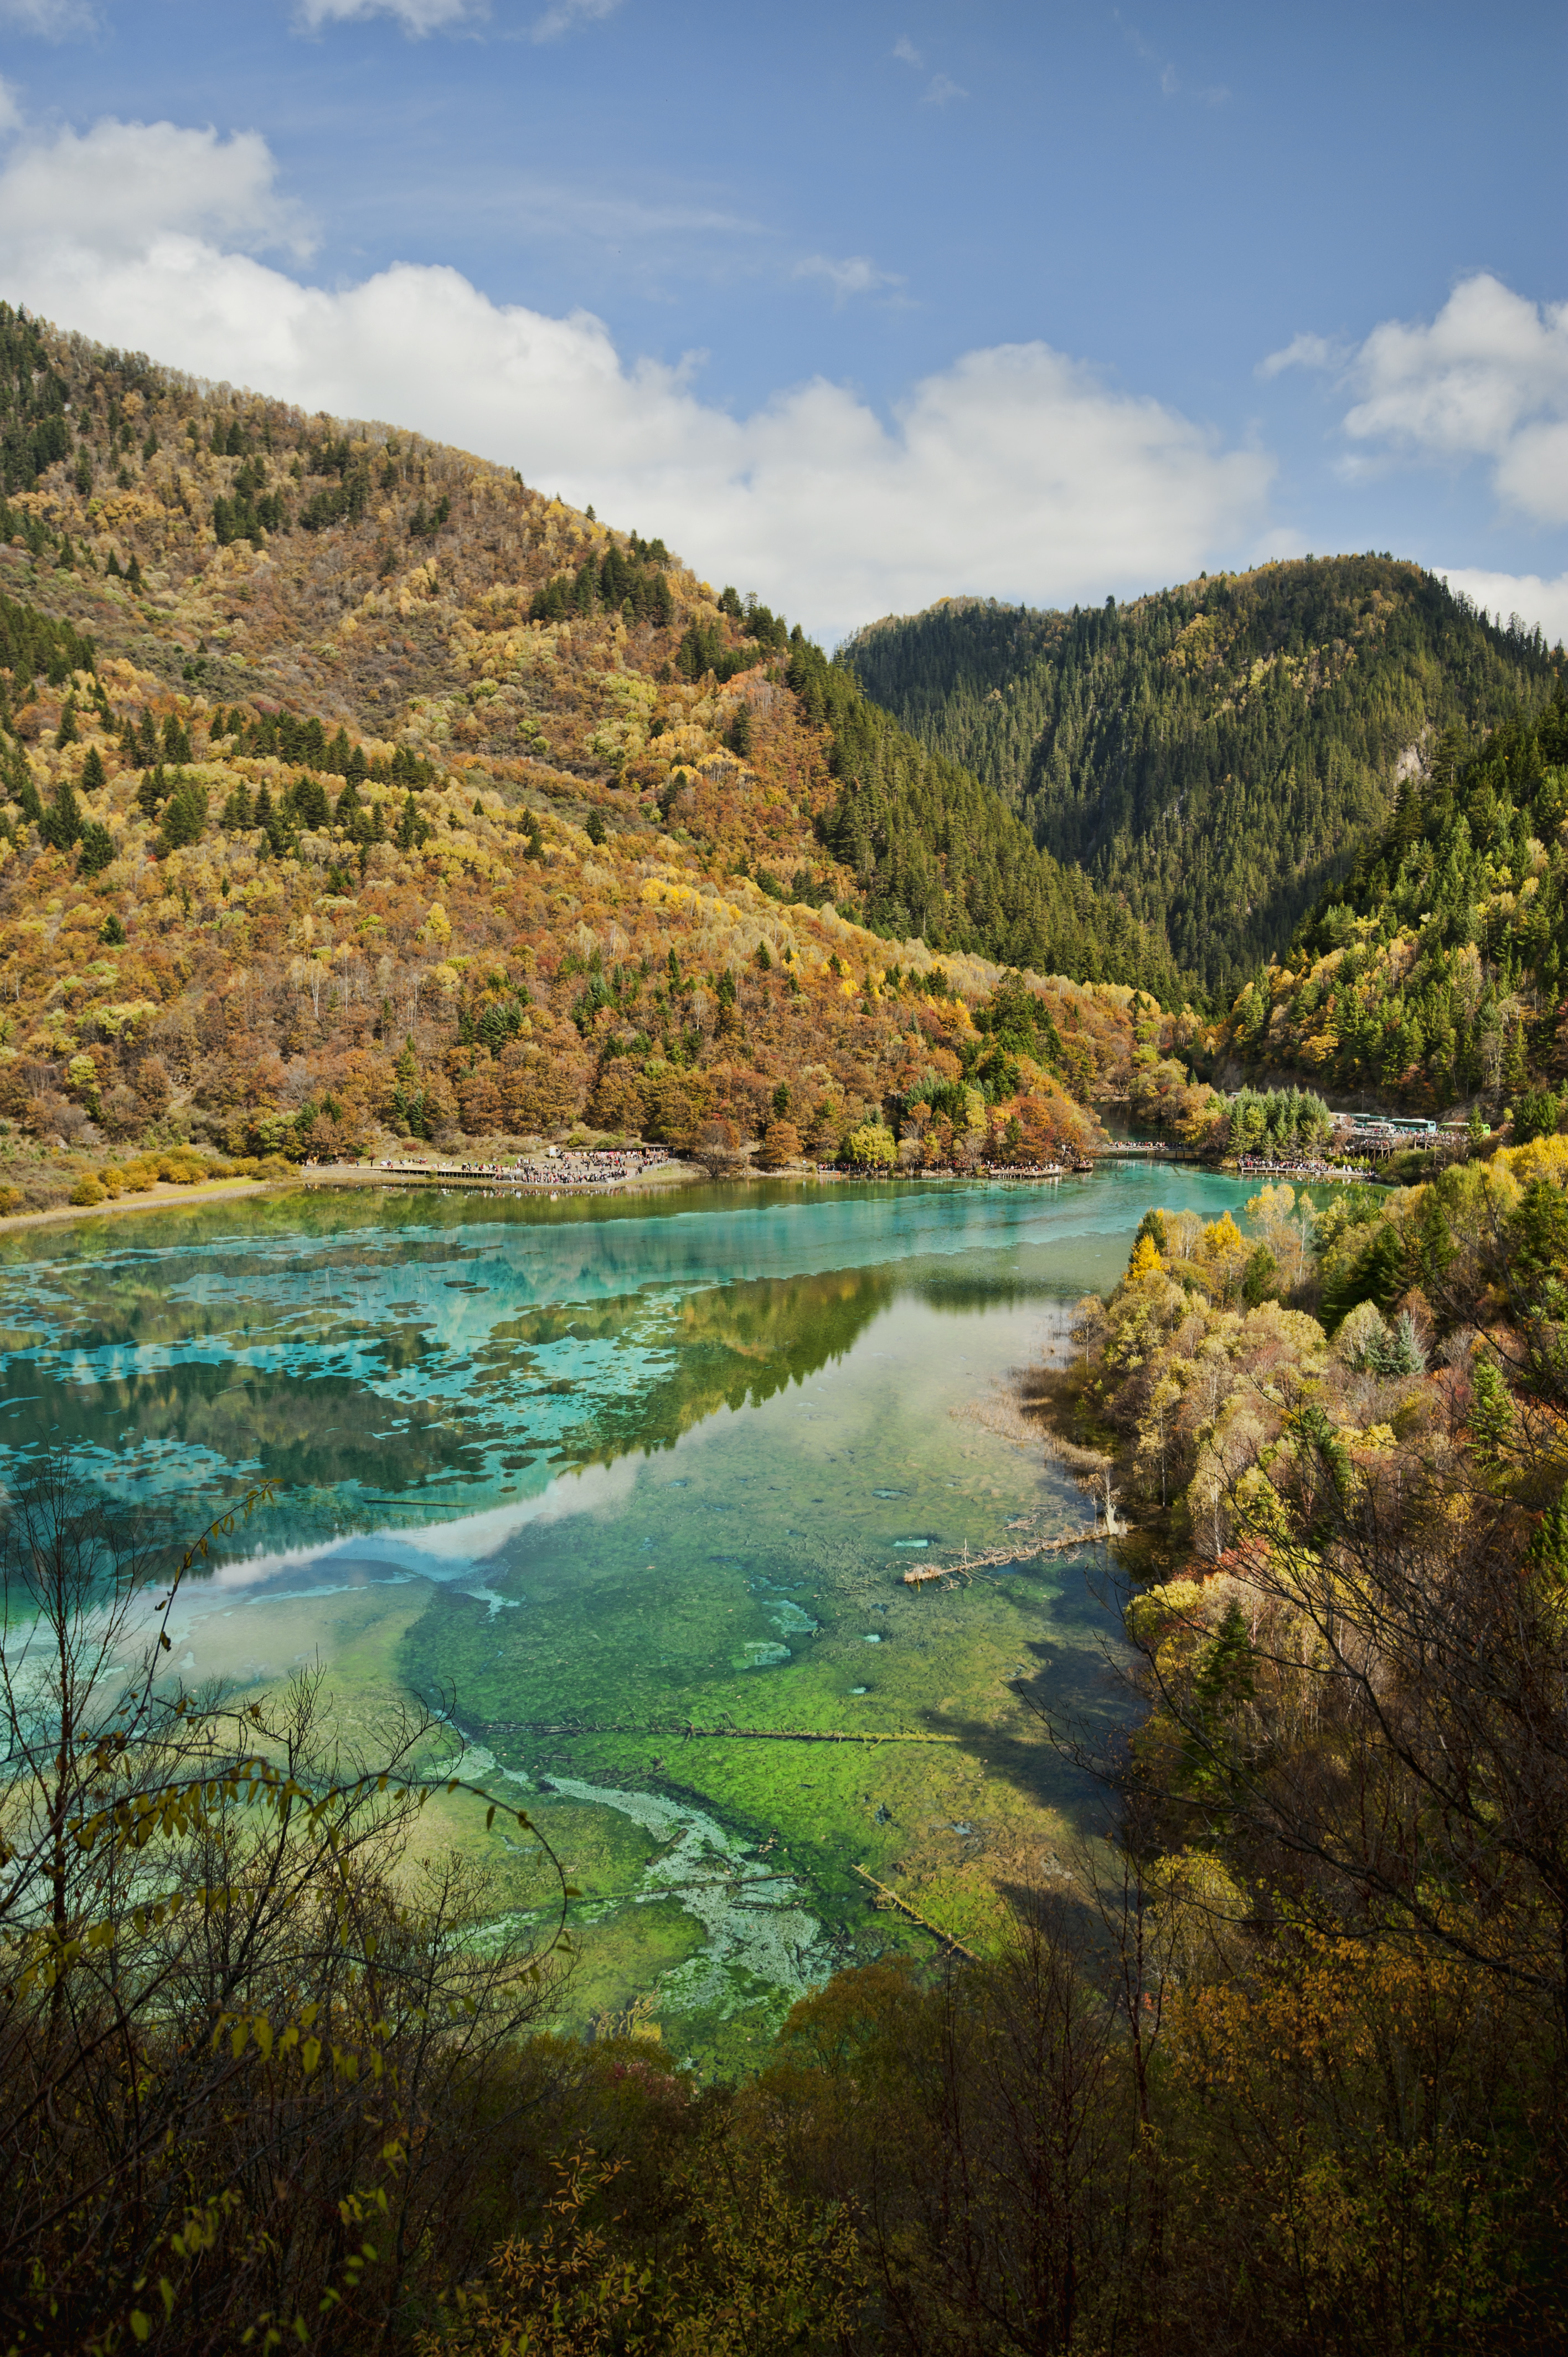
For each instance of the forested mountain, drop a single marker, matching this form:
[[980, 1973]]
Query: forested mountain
[[934, 852], [1436, 970], [352, 789], [1215, 753]]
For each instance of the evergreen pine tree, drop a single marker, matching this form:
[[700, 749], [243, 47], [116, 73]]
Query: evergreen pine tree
[[93, 773], [62, 820], [97, 848], [66, 734]]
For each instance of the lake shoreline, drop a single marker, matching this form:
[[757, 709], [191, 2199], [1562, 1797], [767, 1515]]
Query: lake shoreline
[[668, 1178]]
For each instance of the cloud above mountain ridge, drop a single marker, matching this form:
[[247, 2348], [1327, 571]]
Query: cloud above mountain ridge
[[1016, 470]]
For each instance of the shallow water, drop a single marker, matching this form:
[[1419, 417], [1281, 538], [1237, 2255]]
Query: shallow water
[[631, 1465]]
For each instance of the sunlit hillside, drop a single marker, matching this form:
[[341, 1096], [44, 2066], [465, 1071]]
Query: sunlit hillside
[[359, 793]]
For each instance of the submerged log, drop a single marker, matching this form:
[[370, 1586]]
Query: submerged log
[[893, 1899], [992, 1558], [687, 1733]]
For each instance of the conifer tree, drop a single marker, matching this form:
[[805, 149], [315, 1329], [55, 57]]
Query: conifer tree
[[62, 820], [97, 848], [93, 773]]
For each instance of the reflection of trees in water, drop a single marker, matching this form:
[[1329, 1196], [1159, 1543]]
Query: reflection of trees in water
[[734, 1344], [324, 1432]]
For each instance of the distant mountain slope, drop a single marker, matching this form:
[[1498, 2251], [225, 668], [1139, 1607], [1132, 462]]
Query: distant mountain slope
[[1438, 969], [367, 576], [351, 789], [1216, 753]]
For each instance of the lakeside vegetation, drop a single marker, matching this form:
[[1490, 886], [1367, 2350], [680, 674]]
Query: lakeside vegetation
[[1278, 2065]]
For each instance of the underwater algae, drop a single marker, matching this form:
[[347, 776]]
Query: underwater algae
[[576, 1466]]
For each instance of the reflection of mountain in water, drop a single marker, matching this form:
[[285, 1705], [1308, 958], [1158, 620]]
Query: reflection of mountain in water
[[738, 1343], [181, 1397], [421, 1358]]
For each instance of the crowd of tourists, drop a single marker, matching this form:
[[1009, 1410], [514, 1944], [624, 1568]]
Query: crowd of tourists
[[556, 1166], [1310, 1168]]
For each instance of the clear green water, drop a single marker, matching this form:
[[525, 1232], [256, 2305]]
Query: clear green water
[[638, 1465]]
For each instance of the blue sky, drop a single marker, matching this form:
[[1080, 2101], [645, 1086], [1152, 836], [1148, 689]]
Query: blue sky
[[860, 305]]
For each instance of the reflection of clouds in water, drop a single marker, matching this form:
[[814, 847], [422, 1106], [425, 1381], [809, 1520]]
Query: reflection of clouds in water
[[400, 1369], [448, 1552]]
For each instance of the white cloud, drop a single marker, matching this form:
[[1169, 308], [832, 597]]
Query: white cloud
[[124, 193], [941, 86], [1303, 352], [856, 275], [568, 13], [1533, 599], [10, 110], [1016, 470], [415, 16], [1173, 84], [53, 20], [1488, 379]]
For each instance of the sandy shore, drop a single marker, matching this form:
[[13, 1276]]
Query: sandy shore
[[160, 1197]]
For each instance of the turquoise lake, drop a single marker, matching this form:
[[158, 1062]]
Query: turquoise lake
[[630, 1466]]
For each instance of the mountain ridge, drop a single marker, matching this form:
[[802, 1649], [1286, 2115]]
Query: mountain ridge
[[347, 776], [1215, 752]]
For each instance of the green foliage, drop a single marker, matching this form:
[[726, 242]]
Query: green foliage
[[1281, 1124], [185, 815], [33, 434], [63, 821], [1437, 967], [1537, 1113], [871, 1146], [1492, 1414], [34, 647], [627, 577], [1216, 752], [936, 854], [97, 850]]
